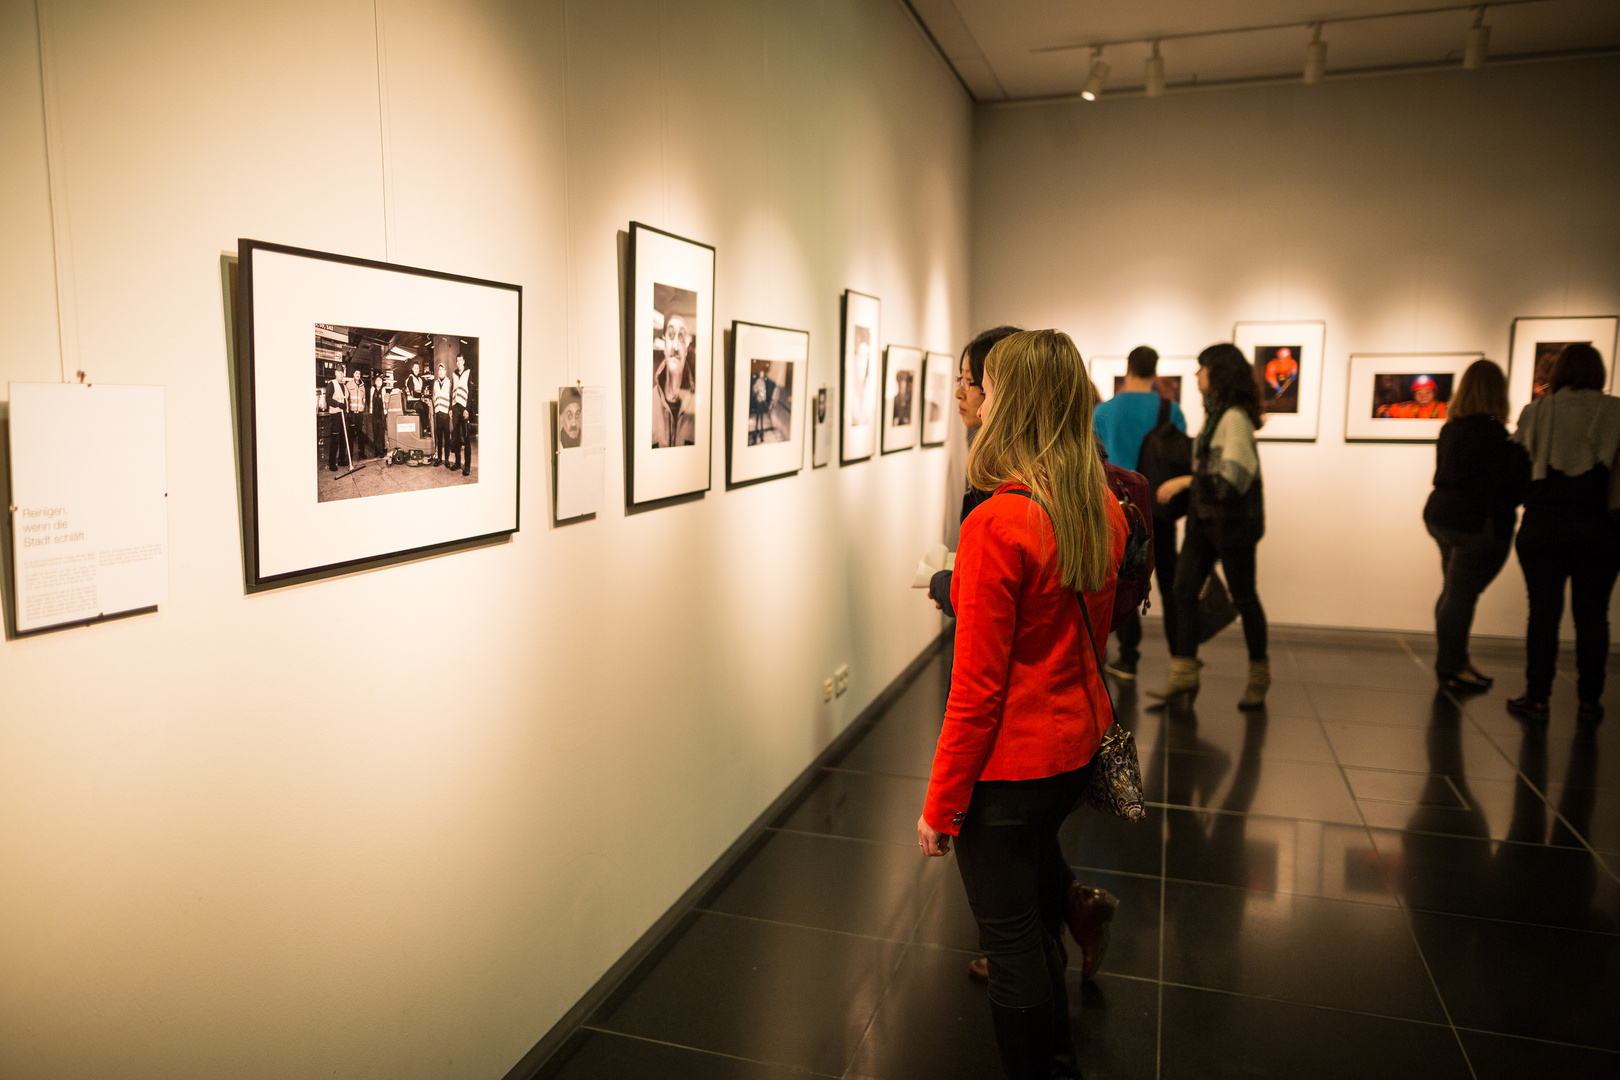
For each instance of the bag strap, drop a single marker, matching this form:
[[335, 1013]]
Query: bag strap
[[1091, 635]]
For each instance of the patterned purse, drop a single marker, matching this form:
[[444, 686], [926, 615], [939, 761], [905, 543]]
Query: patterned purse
[[1115, 786]]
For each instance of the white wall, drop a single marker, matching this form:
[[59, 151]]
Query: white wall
[[1419, 213], [300, 833]]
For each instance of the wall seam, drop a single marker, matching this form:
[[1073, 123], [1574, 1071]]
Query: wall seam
[[385, 135], [67, 307]]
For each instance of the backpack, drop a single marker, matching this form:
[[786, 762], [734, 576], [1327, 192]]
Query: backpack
[[1136, 566], [1166, 454]]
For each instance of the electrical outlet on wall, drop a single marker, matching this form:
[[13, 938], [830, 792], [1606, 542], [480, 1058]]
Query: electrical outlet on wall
[[841, 678], [826, 689]]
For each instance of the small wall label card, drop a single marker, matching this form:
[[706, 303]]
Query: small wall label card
[[89, 491]]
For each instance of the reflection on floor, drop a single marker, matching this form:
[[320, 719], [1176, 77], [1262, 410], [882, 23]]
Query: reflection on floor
[[1369, 880]]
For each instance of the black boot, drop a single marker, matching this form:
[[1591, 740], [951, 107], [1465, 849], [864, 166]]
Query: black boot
[[1024, 1037], [1065, 1065]]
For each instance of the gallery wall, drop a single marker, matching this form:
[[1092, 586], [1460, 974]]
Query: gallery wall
[[1418, 213], [397, 822]]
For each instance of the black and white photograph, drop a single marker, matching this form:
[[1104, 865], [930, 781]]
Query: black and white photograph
[[674, 389], [860, 376], [669, 365], [1534, 343], [570, 417], [821, 431], [939, 387], [765, 389], [1287, 359], [1401, 397], [414, 376], [397, 411], [902, 367]]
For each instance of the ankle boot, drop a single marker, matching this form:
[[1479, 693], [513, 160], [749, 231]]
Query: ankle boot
[[1183, 679], [1024, 1038], [1254, 695]]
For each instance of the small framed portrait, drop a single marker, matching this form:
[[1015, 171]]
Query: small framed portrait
[[1177, 381], [766, 394], [414, 377], [939, 390], [1401, 397], [1535, 343], [822, 437], [1287, 359], [860, 377], [669, 366], [902, 372]]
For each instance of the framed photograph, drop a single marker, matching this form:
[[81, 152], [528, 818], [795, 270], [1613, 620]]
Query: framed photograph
[[859, 377], [939, 391], [1287, 359], [902, 372], [413, 375], [822, 437], [768, 409], [1177, 380], [669, 366], [1401, 397], [1535, 343]]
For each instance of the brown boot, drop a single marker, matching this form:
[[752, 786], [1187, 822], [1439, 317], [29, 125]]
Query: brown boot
[[1090, 910], [1183, 680]]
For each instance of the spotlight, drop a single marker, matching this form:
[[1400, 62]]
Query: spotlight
[[1478, 41], [1155, 73], [1315, 57], [1099, 72]]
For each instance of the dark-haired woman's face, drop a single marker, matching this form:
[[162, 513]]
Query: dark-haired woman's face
[[968, 397], [1203, 379]]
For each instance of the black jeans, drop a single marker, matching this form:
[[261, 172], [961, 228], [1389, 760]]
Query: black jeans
[[1470, 562], [1233, 543], [1583, 550], [1017, 880], [1164, 572]]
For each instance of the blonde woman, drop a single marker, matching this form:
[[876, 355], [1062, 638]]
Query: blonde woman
[[1028, 706]]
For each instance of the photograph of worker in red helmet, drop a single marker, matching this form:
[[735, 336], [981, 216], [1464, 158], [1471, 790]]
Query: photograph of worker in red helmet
[[1411, 397], [1278, 366]]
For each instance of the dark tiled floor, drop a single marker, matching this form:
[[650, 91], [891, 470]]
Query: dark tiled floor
[[1369, 879]]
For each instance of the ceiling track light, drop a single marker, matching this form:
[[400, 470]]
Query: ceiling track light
[[1477, 43], [1155, 73], [1315, 57], [1099, 72]]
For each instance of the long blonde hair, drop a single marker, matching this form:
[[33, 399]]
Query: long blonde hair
[[1038, 433]]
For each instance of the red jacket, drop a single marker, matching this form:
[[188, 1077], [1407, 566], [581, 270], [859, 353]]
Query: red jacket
[[1027, 699]]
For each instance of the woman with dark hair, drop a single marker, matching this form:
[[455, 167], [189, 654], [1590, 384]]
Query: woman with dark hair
[[1570, 531], [1226, 520], [1479, 478]]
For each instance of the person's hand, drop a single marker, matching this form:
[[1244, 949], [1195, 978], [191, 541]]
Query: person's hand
[[1173, 487], [938, 606], [933, 844]]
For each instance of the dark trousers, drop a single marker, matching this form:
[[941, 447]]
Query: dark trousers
[[341, 425], [1470, 561], [1164, 572], [1233, 543], [441, 436], [462, 438], [1017, 880], [1583, 550], [424, 412]]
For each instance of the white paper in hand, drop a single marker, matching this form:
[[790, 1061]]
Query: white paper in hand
[[932, 562]]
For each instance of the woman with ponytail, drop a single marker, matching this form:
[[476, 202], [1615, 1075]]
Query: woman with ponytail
[[1028, 706]]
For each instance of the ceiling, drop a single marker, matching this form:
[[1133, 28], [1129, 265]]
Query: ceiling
[[1010, 50]]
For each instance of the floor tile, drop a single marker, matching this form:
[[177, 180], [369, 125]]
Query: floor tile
[[1133, 947], [1460, 751], [1519, 882], [1379, 705], [785, 995], [1252, 785], [1503, 1057], [1209, 1036], [1296, 948], [1273, 737], [834, 883], [602, 1055], [903, 749], [1276, 855], [862, 805], [1539, 982], [1093, 838]]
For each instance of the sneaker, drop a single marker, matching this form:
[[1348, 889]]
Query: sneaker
[[1122, 668]]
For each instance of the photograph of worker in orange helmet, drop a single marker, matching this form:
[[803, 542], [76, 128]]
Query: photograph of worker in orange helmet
[[1279, 377], [1411, 397]]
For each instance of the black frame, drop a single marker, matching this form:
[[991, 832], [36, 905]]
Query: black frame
[[1513, 341], [731, 391], [1321, 379], [922, 421], [630, 504], [247, 424], [843, 371], [1349, 370], [883, 402]]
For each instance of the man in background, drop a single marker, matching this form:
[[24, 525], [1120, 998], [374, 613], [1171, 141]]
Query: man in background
[[461, 413], [416, 400], [1122, 422], [441, 417]]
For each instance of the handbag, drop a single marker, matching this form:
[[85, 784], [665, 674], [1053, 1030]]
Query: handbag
[[1215, 608], [1115, 786]]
